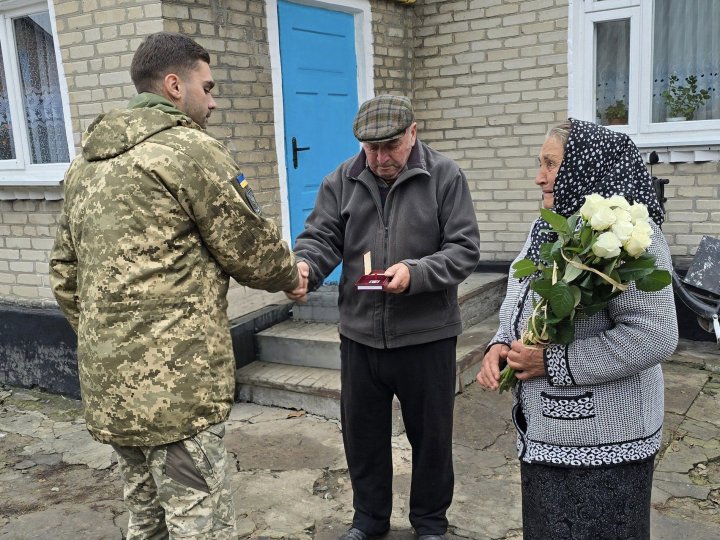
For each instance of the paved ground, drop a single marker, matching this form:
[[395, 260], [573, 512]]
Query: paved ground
[[291, 482]]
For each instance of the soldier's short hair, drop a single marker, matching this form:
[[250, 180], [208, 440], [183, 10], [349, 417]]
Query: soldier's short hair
[[162, 53]]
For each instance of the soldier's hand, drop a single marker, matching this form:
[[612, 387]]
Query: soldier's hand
[[400, 281], [299, 293]]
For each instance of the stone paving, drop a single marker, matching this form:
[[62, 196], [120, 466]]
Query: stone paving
[[290, 479]]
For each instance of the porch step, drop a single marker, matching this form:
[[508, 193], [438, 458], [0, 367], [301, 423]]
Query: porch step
[[317, 390], [302, 342], [479, 295]]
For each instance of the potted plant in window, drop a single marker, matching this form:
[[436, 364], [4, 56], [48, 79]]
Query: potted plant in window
[[617, 114], [683, 99]]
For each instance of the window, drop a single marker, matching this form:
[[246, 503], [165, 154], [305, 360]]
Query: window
[[34, 147], [649, 68]]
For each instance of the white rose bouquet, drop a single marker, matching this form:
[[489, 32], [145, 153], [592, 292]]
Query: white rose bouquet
[[600, 250]]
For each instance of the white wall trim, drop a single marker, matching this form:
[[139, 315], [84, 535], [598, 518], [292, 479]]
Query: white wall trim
[[64, 92], [360, 9]]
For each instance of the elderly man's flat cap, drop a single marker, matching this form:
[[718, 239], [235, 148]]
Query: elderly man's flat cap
[[383, 118]]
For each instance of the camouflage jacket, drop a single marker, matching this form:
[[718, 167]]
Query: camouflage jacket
[[152, 227]]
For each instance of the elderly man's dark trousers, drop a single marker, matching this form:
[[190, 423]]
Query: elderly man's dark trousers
[[423, 379]]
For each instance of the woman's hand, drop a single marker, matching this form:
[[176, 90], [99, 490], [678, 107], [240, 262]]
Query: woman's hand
[[489, 373], [526, 361]]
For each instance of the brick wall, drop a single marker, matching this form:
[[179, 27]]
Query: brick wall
[[487, 77], [236, 38], [693, 207], [27, 232], [97, 41], [490, 78], [392, 26]]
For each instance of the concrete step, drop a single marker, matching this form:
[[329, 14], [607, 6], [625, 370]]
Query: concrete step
[[317, 390], [312, 343], [479, 295], [300, 343]]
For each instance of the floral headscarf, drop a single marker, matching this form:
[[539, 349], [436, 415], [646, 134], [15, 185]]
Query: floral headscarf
[[597, 160]]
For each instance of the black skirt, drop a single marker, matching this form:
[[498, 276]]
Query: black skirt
[[605, 503]]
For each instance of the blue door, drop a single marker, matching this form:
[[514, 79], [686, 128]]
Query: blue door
[[319, 71]]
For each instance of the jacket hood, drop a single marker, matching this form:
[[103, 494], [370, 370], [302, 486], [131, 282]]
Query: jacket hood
[[118, 131]]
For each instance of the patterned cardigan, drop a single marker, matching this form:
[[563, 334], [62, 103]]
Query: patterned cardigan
[[601, 401]]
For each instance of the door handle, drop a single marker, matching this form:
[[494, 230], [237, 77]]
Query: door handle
[[295, 150]]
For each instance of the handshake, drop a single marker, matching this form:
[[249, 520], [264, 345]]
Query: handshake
[[299, 293]]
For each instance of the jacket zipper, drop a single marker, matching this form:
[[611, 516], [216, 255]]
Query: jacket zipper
[[384, 296]]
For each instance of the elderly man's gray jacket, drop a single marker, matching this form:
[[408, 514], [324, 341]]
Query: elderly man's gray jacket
[[601, 402], [428, 223]]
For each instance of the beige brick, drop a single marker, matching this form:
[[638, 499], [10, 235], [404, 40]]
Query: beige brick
[[80, 22], [81, 51], [63, 9], [25, 291]]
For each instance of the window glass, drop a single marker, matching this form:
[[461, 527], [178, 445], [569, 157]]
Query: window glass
[[40, 89], [612, 71], [7, 143], [686, 52]]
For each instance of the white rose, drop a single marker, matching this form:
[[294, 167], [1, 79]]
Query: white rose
[[622, 215], [618, 201], [639, 240], [603, 219], [623, 230], [639, 212], [592, 203], [643, 228], [607, 246]]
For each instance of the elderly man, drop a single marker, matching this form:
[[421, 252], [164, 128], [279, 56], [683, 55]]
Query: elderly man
[[410, 207]]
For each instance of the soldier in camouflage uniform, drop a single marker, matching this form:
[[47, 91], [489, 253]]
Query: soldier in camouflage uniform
[[154, 224]]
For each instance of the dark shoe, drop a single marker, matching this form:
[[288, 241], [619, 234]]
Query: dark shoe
[[431, 537], [354, 534]]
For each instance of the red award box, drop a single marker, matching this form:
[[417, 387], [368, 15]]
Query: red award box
[[374, 281]]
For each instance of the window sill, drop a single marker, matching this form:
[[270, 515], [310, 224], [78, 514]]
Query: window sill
[[681, 154], [33, 191]]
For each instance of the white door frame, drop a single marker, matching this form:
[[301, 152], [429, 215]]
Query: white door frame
[[360, 9]]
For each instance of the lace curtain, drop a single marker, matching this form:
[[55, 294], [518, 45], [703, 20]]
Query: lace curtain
[[7, 145], [41, 89], [612, 70], [687, 42]]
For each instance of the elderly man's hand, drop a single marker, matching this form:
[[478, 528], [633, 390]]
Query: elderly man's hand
[[400, 278], [299, 293], [526, 361]]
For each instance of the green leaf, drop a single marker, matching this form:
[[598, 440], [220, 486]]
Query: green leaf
[[586, 235], [572, 222], [543, 287], [556, 221], [562, 300], [576, 295], [571, 272], [636, 268], [546, 252], [524, 268], [565, 332], [659, 279]]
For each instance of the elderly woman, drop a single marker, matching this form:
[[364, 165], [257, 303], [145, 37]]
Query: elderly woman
[[589, 414]]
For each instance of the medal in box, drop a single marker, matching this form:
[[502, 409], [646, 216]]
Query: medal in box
[[372, 280]]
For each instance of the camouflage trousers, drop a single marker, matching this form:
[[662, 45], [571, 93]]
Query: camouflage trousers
[[179, 490]]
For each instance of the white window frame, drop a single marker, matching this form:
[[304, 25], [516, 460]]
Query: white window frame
[[21, 171], [581, 92]]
